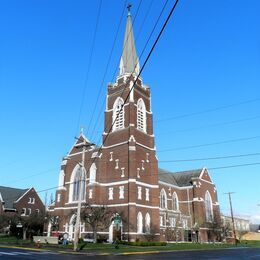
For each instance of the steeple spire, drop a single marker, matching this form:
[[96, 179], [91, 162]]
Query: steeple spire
[[129, 62]]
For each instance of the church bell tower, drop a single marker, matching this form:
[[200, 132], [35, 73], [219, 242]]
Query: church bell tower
[[131, 169]]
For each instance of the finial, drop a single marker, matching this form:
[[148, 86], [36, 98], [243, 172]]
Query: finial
[[128, 8]]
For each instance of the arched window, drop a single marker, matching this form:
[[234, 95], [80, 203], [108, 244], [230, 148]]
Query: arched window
[[163, 199], [139, 223], [141, 115], [75, 181], [175, 202], [92, 173], [118, 114], [147, 223], [208, 207]]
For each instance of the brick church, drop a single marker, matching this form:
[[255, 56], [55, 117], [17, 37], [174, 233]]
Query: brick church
[[123, 173]]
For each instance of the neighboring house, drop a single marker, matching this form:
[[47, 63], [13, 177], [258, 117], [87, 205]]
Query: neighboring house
[[123, 173], [21, 202], [241, 224], [254, 227]]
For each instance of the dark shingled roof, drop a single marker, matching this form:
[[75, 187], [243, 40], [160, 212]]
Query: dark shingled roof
[[10, 195], [180, 179]]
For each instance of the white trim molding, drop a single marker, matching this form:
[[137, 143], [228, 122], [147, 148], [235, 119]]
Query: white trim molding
[[174, 186]]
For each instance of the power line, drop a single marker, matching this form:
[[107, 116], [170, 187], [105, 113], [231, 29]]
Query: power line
[[116, 69], [195, 159], [158, 37], [189, 159], [208, 126], [142, 68], [147, 41], [166, 173], [139, 72], [211, 125], [134, 85], [33, 175], [212, 158], [89, 65], [208, 110], [234, 166], [107, 66], [143, 22], [161, 161], [210, 144], [205, 126]]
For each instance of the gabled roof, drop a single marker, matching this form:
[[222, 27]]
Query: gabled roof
[[10, 195], [167, 176], [79, 141], [180, 179]]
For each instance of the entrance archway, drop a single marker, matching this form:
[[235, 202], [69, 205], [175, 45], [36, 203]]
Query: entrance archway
[[115, 229]]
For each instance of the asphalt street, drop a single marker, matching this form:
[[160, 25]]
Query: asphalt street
[[223, 254]]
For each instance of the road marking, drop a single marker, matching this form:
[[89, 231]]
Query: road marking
[[49, 253], [6, 253], [21, 253], [15, 253], [45, 253]]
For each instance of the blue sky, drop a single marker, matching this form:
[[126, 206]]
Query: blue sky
[[207, 61]]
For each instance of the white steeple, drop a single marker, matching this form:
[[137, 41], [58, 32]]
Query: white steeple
[[129, 62]]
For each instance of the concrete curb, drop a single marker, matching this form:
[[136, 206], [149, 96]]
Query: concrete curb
[[89, 254], [141, 253]]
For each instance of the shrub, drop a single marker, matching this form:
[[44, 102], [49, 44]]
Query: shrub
[[101, 239]]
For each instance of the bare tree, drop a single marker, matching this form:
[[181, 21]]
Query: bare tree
[[54, 221], [226, 230], [241, 233], [151, 234], [31, 225], [214, 231], [172, 231], [98, 218]]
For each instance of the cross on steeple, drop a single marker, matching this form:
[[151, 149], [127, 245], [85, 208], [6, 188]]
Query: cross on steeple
[[128, 8]]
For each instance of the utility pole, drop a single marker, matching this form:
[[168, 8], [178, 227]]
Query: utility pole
[[45, 200], [77, 225], [232, 217], [83, 145]]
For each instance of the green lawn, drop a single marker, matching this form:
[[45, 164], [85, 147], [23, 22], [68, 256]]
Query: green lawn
[[7, 240], [109, 248]]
